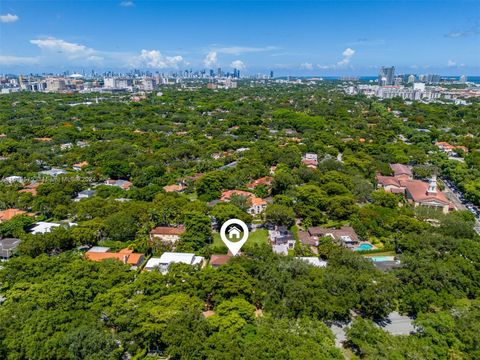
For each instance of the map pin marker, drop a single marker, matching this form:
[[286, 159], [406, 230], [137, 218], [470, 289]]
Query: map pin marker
[[231, 230]]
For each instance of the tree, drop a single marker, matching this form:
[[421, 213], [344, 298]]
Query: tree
[[198, 231], [225, 211], [280, 215]]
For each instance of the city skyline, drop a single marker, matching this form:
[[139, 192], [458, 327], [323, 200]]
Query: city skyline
[[323, 38]]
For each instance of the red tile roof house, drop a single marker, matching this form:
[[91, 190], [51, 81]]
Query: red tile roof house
[[450, 149], [422, 194], [401, 171], [219, 260], [257, 205], [166, 235], [126, 256], [9, 214], [417, 192], [265, 181]]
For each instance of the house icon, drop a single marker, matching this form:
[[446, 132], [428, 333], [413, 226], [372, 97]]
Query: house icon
[[233, 231]]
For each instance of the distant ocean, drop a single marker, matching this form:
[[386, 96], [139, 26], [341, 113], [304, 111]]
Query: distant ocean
[[473, 79]]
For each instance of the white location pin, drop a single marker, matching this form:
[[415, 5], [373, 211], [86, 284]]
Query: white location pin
[[234, 232]]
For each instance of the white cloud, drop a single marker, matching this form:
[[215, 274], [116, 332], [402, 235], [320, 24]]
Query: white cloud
[[154, 59], [8, 18], [451, 63], [238, 64], [17, 60], [72, 50], [127, 3], [347, 56], [306, 66], [210, 59]]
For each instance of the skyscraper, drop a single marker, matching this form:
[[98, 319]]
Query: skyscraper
[[271, 74], [386, 76]]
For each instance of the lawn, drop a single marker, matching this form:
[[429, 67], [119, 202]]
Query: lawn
[[255, 237]]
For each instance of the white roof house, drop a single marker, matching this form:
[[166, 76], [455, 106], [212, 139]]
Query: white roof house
[[312, 260], [13, 179], [43, 227], [167, 258], [53, 172]]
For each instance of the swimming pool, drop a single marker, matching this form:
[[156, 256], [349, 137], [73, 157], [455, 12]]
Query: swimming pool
[[363, 246], [381, 258]]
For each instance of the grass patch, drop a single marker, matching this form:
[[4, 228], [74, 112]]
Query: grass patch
[[259, 236]]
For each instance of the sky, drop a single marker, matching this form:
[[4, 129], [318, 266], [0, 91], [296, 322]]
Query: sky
[[322, 38]]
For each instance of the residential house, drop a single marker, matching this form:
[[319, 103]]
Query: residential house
[[166, 235], [219, 260], [13, 179], [422, 194], [43, 227], [264, 181], [8, 247], [174, 188], [282, 236], [257, 205], [401, 171], [126, 256], [85, 194], [345, 236], [417, 192], [53, 172], [312, 260], [310, 160], [9, 214], [79, 166], [450, 149], [123, 184], [163, 262]]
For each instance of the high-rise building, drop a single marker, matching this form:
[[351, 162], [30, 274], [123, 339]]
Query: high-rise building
[[386, 76], [271, 74], [463, 79], [433, 78], [219, 72], [411, 79], [55, 84]]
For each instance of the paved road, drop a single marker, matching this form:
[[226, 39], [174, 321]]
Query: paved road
[[453, 197]]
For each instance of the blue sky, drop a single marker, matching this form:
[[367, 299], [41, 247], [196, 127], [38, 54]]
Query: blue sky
[[298, 38]]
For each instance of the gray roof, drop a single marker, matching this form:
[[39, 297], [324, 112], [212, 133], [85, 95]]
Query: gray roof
[[8, 246]]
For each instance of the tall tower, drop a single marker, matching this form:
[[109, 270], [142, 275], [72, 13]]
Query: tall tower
[[432, 186], [386, 75]]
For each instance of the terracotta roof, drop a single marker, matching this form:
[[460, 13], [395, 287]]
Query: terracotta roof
[[167, 230], [266, 180], [217, 260], [30, 188], [81, 165], [418, 191], [126, 256], [42, 139], [9, 214], [173, 188], [257, 201], [400, 169], [226, 195], [388, 180]]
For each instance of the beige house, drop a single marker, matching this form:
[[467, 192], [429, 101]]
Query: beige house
[[166, 235]]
